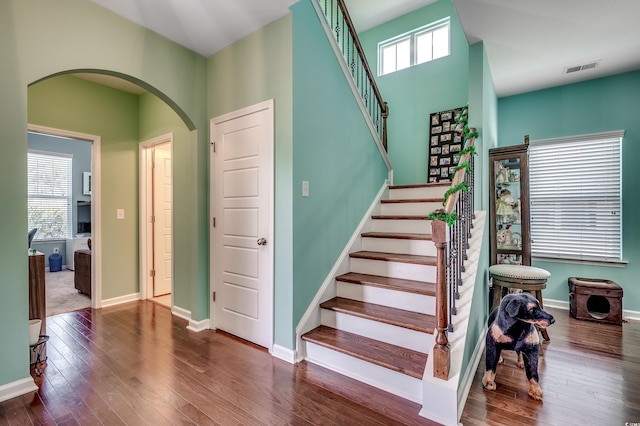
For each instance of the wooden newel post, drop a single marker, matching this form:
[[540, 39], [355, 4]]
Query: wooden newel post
[[440, 351]]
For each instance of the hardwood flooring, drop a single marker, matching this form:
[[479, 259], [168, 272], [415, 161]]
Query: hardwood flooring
[[590, 374], [136, 364]]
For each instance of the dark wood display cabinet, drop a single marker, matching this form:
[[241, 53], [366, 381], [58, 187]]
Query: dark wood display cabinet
[[509, 231]]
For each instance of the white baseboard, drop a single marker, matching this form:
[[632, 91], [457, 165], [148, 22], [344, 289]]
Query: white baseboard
[[199, 326], [120, 300], [17, 388], [285, 354], [181, 313]]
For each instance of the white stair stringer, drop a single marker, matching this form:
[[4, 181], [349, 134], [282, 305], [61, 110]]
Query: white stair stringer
[[444, 399], [383, 378]]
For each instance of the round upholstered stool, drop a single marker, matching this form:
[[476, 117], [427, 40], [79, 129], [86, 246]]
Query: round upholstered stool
[[521, 277]]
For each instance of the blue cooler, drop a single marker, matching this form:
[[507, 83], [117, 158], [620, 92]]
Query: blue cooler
[[55, 262]]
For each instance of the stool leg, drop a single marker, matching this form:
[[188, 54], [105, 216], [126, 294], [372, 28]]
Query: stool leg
[[497, 296], [543, 331]]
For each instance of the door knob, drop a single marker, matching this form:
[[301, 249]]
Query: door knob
[[262, 241]]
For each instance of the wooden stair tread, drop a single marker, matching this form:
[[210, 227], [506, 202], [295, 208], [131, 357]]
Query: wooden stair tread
[[385, 314], [398, 284], [395, 257], [413, 200], [398, 235], [396, 358]]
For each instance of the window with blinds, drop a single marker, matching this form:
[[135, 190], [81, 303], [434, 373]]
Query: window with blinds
[[575, 196], [49, 196]]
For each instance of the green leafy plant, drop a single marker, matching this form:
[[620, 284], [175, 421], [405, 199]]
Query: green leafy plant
[[462, 186], [450, 218], [466, 165]]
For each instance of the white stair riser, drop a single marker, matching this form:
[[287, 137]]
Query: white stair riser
[[407, 271], [414, 193], [400, 246], [388, 380], [382, 296], [414, 209], [401, 226], [398, 336]]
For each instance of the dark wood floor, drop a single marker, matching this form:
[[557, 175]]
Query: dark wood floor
[[136, 364], [590, 374]]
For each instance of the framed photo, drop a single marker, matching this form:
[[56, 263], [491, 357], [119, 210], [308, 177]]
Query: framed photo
[[433, 161], [86, 183]]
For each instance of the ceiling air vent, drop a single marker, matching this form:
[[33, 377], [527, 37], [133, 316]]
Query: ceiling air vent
[[576, 68]]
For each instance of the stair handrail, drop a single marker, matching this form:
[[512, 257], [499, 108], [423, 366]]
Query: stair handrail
[[357, 64], [451, 230]]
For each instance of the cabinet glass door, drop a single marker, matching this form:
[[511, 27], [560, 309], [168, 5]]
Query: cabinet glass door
[[508, 217]]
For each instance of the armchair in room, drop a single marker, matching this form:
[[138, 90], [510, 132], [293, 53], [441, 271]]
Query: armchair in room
[[82, 271]]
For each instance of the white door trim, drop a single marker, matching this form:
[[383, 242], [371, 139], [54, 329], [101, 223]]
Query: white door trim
[[96, 202], [269, 106], [146, 290]]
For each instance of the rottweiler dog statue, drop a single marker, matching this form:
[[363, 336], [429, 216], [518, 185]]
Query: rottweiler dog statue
[[512, 326]]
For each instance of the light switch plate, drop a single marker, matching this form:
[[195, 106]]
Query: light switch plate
[[120, 214], [305, 188]]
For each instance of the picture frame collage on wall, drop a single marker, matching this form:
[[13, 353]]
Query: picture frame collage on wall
[[444, 145]]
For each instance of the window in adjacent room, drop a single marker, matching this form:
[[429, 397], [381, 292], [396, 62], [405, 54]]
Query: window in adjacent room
[[576, 201], [421, 45], [49, 194]]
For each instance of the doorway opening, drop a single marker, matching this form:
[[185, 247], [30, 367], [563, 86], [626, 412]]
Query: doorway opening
[[79, 207], [156, 220]]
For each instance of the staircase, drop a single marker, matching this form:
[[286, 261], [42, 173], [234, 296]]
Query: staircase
[[379, 327]]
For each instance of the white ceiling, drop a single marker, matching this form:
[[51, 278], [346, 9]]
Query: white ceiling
[[529, 43]]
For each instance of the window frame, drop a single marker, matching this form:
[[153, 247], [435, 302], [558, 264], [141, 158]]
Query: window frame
[[589, 212], [67, 188], [412, 36]]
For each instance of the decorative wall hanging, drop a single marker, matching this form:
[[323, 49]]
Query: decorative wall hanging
[[444, 145]]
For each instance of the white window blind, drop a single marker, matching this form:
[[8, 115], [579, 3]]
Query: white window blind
[[575, 193], [49, 194]]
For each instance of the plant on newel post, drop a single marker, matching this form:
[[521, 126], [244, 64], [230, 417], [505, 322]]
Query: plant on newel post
[[443, 218]]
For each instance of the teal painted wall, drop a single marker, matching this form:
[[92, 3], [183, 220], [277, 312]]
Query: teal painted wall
[[333, 150], [483, 113], [252, 70], [39, 38], [156, 118], [610, 103], [416, 92]]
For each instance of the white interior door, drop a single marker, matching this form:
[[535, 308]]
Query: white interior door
[[242, 233], [162, 201]]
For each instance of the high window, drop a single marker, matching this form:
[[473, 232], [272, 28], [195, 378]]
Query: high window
[[575, 193], [49, 194], [416, 47]]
